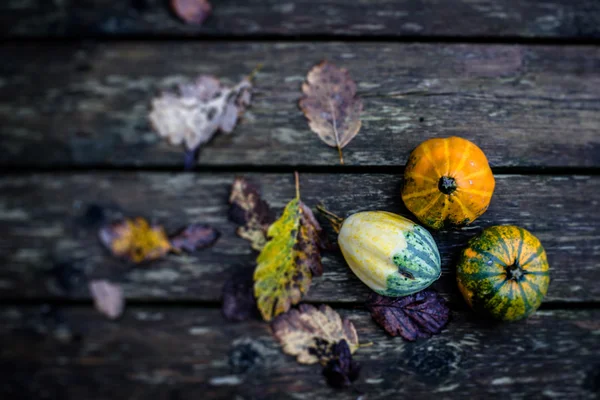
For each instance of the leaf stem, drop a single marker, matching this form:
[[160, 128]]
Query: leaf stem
[[297, 178], [255, 71], [335, 132]]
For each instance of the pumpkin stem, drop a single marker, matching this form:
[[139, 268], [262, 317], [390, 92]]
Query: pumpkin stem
[[335, 220], [514, 272], [447, 185]]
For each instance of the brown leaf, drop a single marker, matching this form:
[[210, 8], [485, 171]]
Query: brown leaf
[[310, 242], [238, 296], [194, 113], [415, 316], [135, 240], [192, 11], [331, 105], [194, 237], [341, 370], [309, 333], [250, 210], [108, 298]]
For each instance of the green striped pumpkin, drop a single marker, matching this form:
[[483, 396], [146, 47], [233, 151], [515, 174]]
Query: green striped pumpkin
[[503, 273], [389, 253]]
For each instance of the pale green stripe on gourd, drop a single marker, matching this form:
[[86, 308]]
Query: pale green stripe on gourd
[[418, 265]]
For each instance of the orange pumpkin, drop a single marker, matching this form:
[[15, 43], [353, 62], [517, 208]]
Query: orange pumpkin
[[447, 182]]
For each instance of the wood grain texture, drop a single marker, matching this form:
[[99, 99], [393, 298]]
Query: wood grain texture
[[189, 354], [409, 18], [525, 106], [42, 223]]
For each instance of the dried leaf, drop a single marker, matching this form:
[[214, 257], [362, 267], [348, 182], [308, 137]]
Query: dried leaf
[[251, 211], [135, 240], [198, 110], [194, 237], [341, 370], [310, 242], [238, 296], [416, 316], [192, 11], [288, 261], [310, 334], [331, 105], [108, 298]]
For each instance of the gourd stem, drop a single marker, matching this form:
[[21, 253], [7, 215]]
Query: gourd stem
[[335, 220], [514, 272]]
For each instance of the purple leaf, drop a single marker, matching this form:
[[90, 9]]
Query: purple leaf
[[194, 237], [192, 11], [239, 303], [341, 370], [416, 316], [108, 298]]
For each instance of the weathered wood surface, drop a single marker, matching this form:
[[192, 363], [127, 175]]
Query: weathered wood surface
[[41, 223], [171, 353], [412, 18], [526, 106]]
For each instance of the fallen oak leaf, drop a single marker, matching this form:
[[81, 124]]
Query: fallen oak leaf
[[193, 114], [341, 370], [238, 296], [251, 211], [192, 11], [309, 333], [289, 260], [416, 316], [137, 241], [108, 298], [331, 106], [194, 237]]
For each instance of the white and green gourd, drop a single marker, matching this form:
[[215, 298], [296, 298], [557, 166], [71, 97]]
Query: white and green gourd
[[389, 253]]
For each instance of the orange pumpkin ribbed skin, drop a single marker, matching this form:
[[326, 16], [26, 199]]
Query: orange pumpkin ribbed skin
[[447, 182]]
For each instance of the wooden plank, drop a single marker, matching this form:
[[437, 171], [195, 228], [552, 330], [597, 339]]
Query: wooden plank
[[526, 106], [190, 354], [41, 223], [403, 18]]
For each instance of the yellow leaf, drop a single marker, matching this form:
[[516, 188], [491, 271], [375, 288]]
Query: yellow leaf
[[287, 263], [278, 283], [135, 240]]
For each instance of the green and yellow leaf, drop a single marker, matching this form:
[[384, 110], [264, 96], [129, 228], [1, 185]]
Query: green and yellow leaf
[[288, 261]]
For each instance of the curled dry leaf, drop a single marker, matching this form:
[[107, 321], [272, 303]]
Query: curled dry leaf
[[331, 105], [198, 110], [310, 334], [413, 317], [135, 240], [108, 298], [194, 237], [287, 263], [192, 11], [341, 370], [251, 211], [238, 296]]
